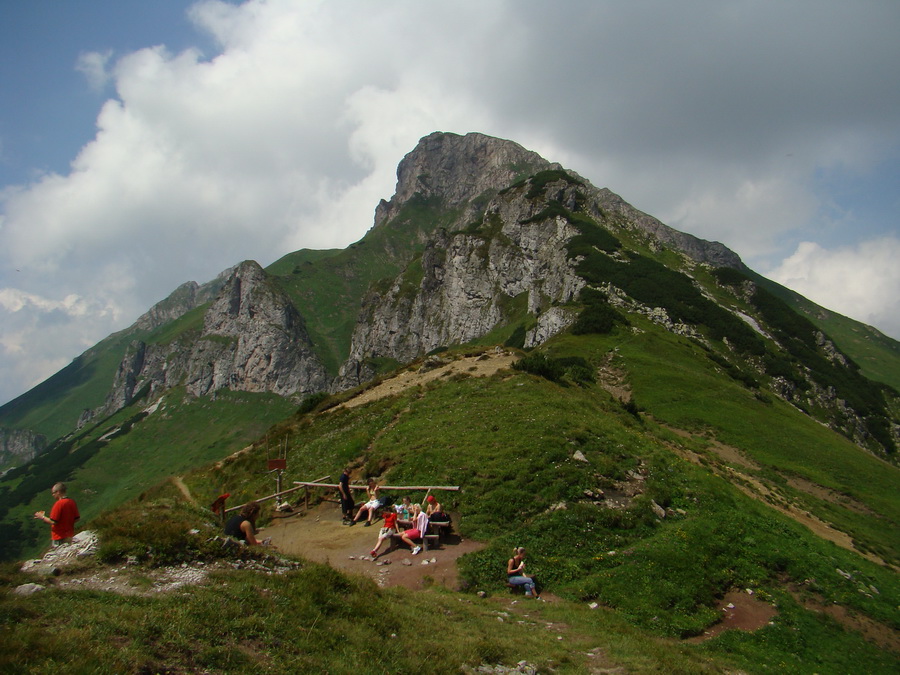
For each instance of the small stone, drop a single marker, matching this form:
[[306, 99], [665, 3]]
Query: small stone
[[27, 589]]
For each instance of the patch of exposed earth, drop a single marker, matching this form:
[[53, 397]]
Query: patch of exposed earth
[[318, 535], [740, 610]]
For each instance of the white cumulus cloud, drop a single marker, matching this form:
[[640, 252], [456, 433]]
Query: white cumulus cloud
[[714, 117], [861, 281]]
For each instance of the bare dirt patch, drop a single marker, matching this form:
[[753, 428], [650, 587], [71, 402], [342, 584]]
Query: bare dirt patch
[[740, 611], [318, 535], [614, 380], [878, 633]]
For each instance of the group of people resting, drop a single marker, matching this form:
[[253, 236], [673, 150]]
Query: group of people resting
[[243, 527], [413, 517]]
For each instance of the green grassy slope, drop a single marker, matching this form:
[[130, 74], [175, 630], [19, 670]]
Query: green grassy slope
[[129, 453], [53, 407], [510, 442]]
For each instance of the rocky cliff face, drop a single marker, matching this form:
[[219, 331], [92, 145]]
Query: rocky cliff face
[[469, 285], [252, 339], [496, 224], [18, 446], [182, 300]]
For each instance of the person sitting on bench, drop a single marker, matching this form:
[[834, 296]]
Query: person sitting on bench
[[418, 530], [388, 530], [435, 511]]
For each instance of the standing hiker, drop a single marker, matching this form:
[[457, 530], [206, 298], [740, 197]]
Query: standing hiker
[[347, 504]]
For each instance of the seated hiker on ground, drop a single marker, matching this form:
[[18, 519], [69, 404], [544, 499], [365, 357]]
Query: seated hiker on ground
[[243, 525], [435, 511], [417, 531], [372, 504], [515, 573], [388, 530]]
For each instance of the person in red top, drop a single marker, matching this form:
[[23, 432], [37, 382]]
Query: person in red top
[[62, 516], [388, 530]]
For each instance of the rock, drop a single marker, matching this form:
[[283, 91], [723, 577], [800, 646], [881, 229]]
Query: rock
[[253, 339], [579, 456], [658, 510], [19, 446], [27, 589]]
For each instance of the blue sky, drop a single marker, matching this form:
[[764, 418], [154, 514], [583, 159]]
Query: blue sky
[[144, 144]]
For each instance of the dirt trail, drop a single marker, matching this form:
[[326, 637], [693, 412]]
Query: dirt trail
[[722, 464], [319, 535], [179, 483], [483, 365]]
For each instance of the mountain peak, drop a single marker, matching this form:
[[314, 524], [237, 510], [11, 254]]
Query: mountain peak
[[457, 169]]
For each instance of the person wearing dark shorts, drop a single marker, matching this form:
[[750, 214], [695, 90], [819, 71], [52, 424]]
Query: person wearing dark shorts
[[346, 495]]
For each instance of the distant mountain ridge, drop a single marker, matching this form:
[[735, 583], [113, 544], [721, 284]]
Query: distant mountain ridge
[[482, 239]]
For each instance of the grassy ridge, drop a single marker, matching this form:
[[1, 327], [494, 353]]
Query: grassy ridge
[[53, 407], [183, 433]]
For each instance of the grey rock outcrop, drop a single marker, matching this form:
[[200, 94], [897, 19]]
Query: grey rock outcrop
[[252, 339], [497, 251], [182, 300], [609, 204], [470, 282], [495, 259], [18, 446], [458, 170]]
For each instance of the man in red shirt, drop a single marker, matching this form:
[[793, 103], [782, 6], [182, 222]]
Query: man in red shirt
[[62, 516]]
